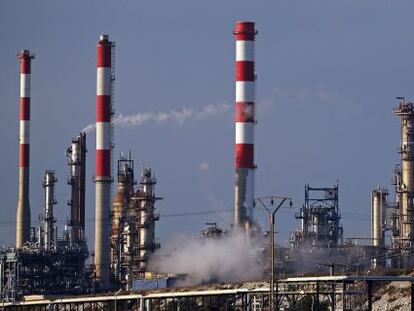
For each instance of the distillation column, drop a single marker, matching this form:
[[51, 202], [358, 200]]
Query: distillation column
[[76, 154], [103, 160], [23, 206], [245, 120], [406, 189], [120, 206], [49, 232], [378, 217], [146, 218]]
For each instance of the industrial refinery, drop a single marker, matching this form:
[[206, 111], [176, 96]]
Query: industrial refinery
[[51, 267]]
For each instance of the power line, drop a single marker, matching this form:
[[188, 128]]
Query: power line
[[182, 214], [187, 214]]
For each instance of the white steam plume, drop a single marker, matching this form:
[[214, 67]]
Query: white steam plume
[[174, 116], [229, 259]]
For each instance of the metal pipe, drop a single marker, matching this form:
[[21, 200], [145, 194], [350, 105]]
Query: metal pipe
[[244, 123], [103, 160], [23, 206]]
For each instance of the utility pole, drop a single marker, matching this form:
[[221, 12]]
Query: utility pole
[[272, 204]]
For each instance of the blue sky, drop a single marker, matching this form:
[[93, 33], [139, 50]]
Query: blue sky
[[328, 73]]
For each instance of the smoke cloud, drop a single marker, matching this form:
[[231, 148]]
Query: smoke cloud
[[174, 116], [229, 259]]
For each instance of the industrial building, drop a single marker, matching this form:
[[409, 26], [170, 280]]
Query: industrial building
[[47, 261]]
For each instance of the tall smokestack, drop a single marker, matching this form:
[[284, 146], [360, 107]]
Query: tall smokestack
[[245, 94], [23, 206], [103, 159]]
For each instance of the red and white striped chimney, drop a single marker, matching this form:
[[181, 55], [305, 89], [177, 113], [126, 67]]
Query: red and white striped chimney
[[23, 206], [103, 160], [245, 120]]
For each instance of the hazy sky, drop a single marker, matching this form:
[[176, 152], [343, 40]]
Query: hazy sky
[[328, 72]]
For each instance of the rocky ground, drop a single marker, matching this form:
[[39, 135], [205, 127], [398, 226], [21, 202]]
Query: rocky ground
[[393, 296]]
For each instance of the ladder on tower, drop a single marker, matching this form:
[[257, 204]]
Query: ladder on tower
[[112, 132]]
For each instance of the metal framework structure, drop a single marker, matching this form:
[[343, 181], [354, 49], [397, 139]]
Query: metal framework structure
[[320, 219], [34, 270], [312, 293]]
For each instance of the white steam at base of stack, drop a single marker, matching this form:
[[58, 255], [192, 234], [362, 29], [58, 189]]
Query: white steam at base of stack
[[229, 259]]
